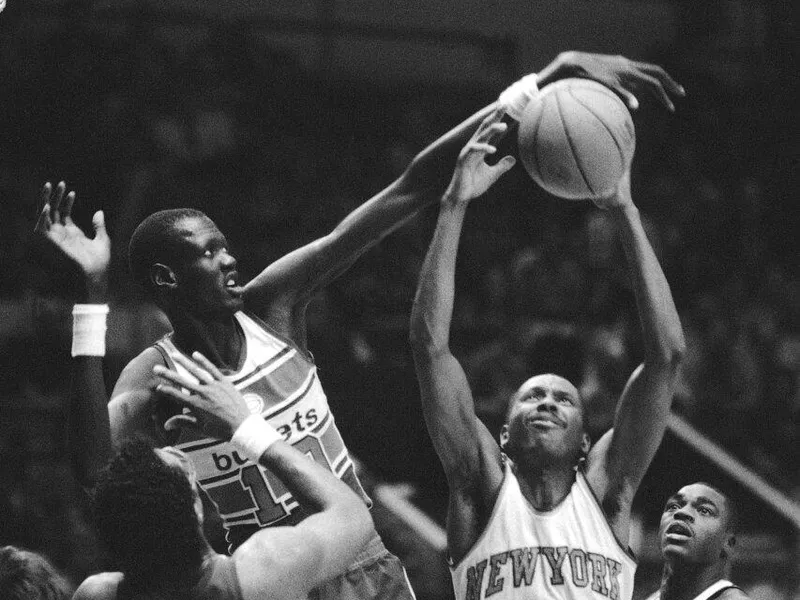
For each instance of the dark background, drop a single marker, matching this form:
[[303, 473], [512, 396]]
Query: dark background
[[277, 120]]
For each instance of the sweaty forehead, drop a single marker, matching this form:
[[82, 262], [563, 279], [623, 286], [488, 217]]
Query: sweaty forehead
[[548, 381], [700, 493]]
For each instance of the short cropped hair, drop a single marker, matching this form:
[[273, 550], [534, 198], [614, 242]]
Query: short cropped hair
[[144, 512], [155, 240], [26, 575]]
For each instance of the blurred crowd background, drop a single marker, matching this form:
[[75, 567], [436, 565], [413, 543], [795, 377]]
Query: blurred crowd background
[[138, 110]]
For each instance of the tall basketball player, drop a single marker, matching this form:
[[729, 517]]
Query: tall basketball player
[[545, 514]]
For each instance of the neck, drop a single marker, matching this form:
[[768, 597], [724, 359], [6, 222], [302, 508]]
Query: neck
[[681, 581], [219, 340], [544, 486]]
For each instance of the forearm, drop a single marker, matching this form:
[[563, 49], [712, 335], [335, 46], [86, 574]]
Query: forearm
[[88, 421], [312, 485], [432, 312], [661, 328]]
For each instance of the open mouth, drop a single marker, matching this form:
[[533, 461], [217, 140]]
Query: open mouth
[[542, 422], [232, 284], [678, 529]]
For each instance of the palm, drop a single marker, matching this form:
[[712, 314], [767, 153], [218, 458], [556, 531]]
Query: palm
[[91, 255], [55, 224], [473, 175]]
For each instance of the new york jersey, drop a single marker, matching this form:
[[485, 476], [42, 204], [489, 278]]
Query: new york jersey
[[279, 383], [568, 553], [711, 592]]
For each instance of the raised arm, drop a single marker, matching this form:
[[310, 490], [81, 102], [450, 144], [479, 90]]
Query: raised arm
[[621, 457], [89, 440], [280, 562], [468, 452], [281, 292]]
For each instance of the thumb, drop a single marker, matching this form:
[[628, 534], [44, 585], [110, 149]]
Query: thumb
[[630, 99], [503, 165], [99, 224], [184, 421]]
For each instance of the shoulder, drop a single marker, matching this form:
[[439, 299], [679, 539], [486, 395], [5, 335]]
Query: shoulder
[[279, 563], [133, 400], [102, 586], [732, 593], [138, 373]]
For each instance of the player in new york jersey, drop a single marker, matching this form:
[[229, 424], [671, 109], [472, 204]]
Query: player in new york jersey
[[698, 538], [530, 518], [256, 331]]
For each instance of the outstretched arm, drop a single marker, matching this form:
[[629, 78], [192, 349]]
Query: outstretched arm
[[281, 292], [281, 562], [469, 454], [89, 438], [620, 459]]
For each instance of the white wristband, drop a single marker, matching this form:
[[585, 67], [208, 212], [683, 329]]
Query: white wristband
[[516, 96], [89, 329], [254, 436]]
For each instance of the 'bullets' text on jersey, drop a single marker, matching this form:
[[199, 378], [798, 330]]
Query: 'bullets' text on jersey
[[280, 383], [568, 553]]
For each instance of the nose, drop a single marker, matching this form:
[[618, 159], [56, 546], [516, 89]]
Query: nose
[[228, 260], [546, 404], [683, 514]]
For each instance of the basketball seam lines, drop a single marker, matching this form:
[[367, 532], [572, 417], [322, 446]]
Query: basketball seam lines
[[535, 153], [603, 123], [572, 146]]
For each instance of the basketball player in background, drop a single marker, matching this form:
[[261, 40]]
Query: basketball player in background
[[148, 511], [256, 332], [698, 538], [545, 514], [26, 575]]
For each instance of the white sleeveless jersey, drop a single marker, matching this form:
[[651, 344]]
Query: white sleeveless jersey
[[568, 553], [711, 592], [280, 383]]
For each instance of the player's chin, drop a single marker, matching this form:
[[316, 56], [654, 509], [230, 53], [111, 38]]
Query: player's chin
[[672, 550]]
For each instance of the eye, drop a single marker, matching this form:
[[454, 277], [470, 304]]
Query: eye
[[671, 506], [704, 511]]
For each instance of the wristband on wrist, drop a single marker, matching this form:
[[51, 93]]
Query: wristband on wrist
[[254, 436], [89, 329], [515, 97]]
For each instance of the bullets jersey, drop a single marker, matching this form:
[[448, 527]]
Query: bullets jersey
[[568, 553], [281, 384]]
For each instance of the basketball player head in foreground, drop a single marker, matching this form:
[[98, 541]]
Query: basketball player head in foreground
[[698, 538], [149, 513], [545, 513]]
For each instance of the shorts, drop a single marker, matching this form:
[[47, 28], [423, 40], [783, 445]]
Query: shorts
[[376, 574]]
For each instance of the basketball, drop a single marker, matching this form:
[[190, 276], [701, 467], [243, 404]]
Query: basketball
[[576, 139]]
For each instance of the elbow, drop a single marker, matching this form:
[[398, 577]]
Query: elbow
[[424, 342], [670, 356]]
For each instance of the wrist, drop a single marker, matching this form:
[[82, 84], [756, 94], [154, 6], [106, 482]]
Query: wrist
[[89, 329], [97, 289], [254, 436], [452, 201], [626, 211], [515, 98]]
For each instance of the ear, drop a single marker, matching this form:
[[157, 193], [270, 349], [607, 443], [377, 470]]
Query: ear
[[163, 276], [586, 444], [729, 545], [504, 436], [198, 505]]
